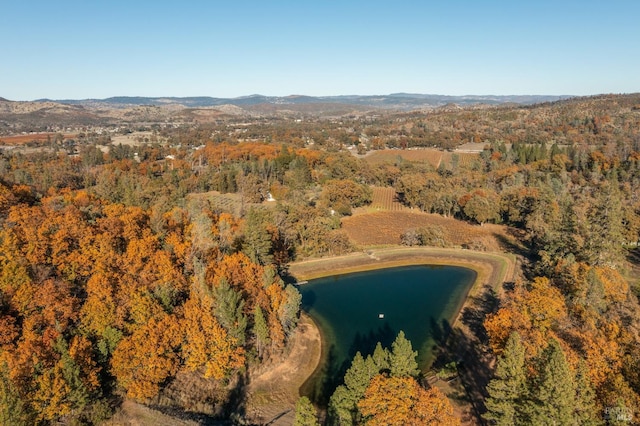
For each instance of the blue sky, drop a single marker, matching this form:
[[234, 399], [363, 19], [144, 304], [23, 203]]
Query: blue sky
[[93, 49]]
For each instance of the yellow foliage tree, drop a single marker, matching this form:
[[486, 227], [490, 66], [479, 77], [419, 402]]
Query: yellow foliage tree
[[207, 344], [50, 398], [616, 288]]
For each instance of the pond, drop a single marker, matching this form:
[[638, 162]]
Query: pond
[[355, 311]]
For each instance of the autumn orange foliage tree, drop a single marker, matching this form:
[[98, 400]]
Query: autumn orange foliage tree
[[538, 312], [534, 312], [402, 401], [91, 289], [144, 360]]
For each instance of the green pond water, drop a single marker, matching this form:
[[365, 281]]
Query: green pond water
[[355, 311]]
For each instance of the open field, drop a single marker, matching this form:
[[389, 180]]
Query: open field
[[33, 137], [385, 227], [431, 156], [135, 139], [464, 159]]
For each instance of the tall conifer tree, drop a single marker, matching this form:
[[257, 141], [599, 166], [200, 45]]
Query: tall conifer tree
[[381, 358], [402, 359], [552, 397], [260, 329], [229, 310], [305, 413], [508, 385]]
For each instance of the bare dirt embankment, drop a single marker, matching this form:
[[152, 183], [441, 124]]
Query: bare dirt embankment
[[273, 391]]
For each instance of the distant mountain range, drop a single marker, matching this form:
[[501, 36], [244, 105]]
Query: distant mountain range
[[405, 101], [47, 114]]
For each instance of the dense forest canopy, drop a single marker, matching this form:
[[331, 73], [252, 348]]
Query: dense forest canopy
[[123, 266]]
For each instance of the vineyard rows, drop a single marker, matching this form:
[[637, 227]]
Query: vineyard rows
[[387, 200], [386, 227], [431, 156]]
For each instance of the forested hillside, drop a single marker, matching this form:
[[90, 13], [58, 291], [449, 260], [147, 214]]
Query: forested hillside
[[123, 266]]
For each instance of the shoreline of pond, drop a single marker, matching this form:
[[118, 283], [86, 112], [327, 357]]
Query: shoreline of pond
[[491, 269]]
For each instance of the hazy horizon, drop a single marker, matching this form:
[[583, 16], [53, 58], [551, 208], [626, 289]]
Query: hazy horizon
[[472, 95]]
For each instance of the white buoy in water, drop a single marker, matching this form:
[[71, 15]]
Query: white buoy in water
[[380, 316]]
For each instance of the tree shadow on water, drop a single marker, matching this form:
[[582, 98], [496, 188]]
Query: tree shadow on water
[[467, 346], [331, 375], [444, 346], [308, 300], [366, 343], [440, 331], [321, 385]]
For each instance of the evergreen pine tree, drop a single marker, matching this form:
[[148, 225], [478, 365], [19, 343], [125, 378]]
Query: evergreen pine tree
[[12, 409], [305, 413], [290, 309], [585, 407], [342, 404], [229, 310], [508, 385], [603, 244], [260, 329], [341, 407], [594, 294], [257, 241], [381, 358], [552, 397], [402, 359], [357, 377]]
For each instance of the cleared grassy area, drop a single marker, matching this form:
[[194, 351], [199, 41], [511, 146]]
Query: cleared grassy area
[[421, 155]]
